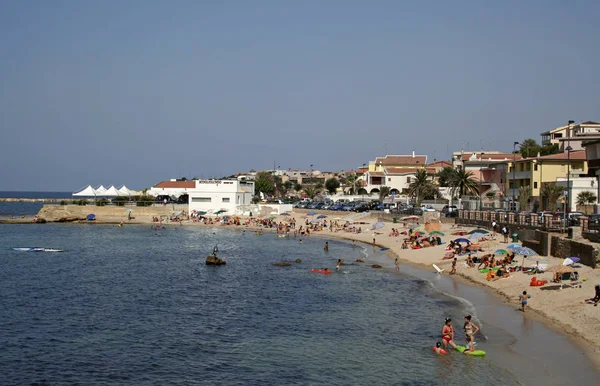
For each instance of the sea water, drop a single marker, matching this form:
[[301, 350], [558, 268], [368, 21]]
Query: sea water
[[131, 305]]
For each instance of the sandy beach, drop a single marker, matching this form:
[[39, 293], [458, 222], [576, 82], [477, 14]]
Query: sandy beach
[[561, 309]]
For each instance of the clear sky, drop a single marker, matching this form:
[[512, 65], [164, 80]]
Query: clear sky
[[135, 92]]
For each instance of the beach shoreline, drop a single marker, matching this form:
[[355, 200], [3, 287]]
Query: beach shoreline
[[554, 310]]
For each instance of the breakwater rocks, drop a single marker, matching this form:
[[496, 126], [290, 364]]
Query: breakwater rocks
[[106, 214], [16, 199]]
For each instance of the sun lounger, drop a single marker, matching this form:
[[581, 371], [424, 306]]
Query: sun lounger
[[437, 269]]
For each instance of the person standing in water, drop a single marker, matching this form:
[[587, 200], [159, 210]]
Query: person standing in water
[[397, 264], [338, 266], [523, 298], [326, 248], [470, 330], [448, 334]]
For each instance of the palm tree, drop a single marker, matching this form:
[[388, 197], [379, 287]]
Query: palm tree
[[351, 181], [463, 183], [551, 192], [528, 146], [445, 175], [586, 198], [420, 186], [524, 196], [311, 191], [383, 193]]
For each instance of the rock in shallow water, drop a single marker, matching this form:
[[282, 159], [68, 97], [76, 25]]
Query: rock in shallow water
[[214, 260]]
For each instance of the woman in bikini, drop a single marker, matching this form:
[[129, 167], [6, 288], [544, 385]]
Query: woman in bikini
[[448, 334], [470, 330]]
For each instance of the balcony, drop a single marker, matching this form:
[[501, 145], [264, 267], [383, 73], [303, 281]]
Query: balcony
[[526, 175]]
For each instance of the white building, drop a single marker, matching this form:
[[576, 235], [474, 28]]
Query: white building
[[578, 185], [172, 188], [215, 195]]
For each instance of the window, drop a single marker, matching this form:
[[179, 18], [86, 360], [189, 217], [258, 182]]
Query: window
[[535, 167], [201, 199], [535, 185], [389, 179], [226, 199], [408, 180]]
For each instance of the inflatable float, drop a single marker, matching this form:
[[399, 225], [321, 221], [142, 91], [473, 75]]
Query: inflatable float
[[440, 351], [322, 271], [537, 283], [486, 270], [477, 353]]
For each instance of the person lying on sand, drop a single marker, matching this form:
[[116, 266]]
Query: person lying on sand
[[448, 256]]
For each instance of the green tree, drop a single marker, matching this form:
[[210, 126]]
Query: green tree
[[311, 191], [420, 186], [586, 198], [351, 182], [264, 183], [529, 148], [286, 187], [445, 176], [319, 186], [332, 185], [297, 187], [551, 192], [463, 183], [524, 196], [384, 191]]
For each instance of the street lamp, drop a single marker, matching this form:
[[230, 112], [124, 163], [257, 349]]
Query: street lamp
[[480, 179], [514, 170], [568, 203]]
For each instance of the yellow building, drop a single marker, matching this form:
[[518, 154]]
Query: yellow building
[[398, 161], [534, 172]]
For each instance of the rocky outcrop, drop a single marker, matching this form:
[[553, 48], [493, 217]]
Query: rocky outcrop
[[282, 264], [214, 260], [376, 266], [298, 260], [360, 261]]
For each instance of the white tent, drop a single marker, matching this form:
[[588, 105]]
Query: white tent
[[100, 189], [111, 192], [86, 192], [124, 191]]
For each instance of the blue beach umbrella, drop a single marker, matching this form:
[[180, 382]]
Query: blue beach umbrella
[[321, 216], [482, 231], [91, 217], [311, 213], [524, 251], [513, 246], [462, 241]]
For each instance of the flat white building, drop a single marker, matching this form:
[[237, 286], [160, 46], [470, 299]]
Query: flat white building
[[215, 195]]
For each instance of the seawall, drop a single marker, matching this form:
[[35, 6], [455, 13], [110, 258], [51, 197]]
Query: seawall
[[70, 213]]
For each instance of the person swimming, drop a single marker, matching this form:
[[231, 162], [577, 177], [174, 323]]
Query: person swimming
[[338, 266], [448, 333], [438, 349]]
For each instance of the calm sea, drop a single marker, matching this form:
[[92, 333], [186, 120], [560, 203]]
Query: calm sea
[[134, 306], [18, 209]]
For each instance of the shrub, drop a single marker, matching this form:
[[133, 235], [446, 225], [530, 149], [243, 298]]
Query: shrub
[[63, 202], [101, 202], [145, 201], [121, 200]]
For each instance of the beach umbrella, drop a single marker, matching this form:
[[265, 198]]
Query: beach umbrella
[[462, 241], [311, 213], [285, 214], [127, 211], [378, 225], [436, 233], [524, 251], [177, 212], [321, 216], [91, 217], [419, 233], [218, 212], [482, 231], [570, 260], [513, 246], [501, 252], [537, 258]]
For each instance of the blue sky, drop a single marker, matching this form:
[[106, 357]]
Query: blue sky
[[135, 92]]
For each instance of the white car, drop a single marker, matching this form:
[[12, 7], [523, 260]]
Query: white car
[[427, 208]]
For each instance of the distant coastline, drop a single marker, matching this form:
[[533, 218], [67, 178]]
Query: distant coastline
[[23, 196]]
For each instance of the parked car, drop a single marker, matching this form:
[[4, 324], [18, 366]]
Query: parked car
[[449, 208], [361, 207]]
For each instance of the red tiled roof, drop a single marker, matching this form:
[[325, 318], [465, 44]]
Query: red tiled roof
[[392, 160], [577, 155], [176, 184], [408, 170], [376, 174], [440, 164], [493, 157]]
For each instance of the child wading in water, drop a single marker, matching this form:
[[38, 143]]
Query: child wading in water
[[523, 298]]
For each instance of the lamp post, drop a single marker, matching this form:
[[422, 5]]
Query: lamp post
[[568, 203], [480, 179], [514, 170]]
